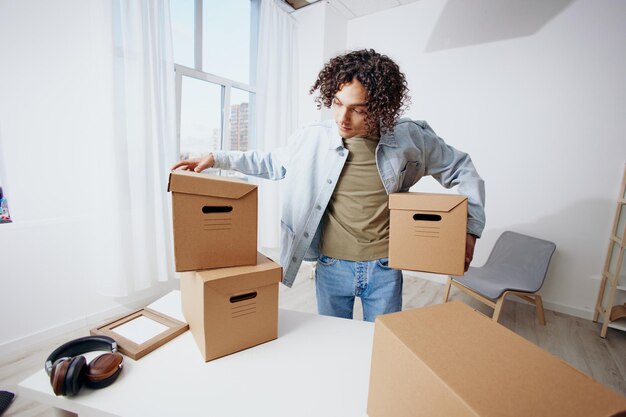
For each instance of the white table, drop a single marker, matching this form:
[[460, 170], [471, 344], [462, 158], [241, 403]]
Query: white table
[[318, 366]]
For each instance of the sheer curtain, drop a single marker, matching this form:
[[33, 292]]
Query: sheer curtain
[[136, 229], [277, 83]]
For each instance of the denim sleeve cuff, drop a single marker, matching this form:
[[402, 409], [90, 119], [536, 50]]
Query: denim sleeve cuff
[[475, 227], [221, 160]]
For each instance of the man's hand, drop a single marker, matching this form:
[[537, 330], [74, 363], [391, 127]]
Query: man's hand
[[195, 164], [469, 250]]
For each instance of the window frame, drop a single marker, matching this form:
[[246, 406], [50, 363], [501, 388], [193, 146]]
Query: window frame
[[226, 84]]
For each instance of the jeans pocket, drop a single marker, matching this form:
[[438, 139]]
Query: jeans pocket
[[326, 260], [383, 263]]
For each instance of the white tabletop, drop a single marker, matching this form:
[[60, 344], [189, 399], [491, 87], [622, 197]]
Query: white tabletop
[[318, 366]]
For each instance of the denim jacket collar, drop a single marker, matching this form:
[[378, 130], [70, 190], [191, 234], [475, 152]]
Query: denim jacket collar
[[387, 137], [335, 140]]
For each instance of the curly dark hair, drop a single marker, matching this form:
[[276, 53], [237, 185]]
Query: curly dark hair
[[387, 91]]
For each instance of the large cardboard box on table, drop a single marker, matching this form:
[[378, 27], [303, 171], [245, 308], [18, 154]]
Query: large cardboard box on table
[[427, 232], [449, 360], [215, 221], [231, 309]]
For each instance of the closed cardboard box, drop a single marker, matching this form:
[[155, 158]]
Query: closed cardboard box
[[231, 309], [449, 360], [427, 232], [215, 221]]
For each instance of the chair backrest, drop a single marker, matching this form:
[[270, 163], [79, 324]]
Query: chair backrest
[[522, 259]]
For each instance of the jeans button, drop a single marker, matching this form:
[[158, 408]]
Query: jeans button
[[306, 234], [329, 181]]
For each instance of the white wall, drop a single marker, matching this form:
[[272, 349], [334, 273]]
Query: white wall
[[536, 93], [55, 107]]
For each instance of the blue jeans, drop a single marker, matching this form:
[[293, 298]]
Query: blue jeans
[[337, 282]]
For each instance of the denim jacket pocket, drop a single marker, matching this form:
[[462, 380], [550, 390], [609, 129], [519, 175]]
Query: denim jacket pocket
[[286, 241]]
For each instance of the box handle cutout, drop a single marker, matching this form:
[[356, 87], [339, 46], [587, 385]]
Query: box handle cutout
[[217, 209], [243, 297], [427, 217]]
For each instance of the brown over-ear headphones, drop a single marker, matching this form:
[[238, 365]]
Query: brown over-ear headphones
[[69, 370]]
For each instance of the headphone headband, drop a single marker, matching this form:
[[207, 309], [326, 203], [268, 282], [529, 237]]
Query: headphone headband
[[79, 346]]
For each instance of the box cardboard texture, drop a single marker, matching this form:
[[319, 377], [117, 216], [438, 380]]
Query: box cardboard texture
[[215, 221], [449, 360], [427, 232], [231, 309]]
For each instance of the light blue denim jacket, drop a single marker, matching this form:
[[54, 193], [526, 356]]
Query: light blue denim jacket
[[313, 159]]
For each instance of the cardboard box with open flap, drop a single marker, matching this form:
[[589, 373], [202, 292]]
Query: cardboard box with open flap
[[427, 232], [215, 221]]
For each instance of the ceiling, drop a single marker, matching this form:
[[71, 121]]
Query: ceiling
[[352, 8], [492, 20]]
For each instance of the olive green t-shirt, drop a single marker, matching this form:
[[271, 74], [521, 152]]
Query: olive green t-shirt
[[356, 221]]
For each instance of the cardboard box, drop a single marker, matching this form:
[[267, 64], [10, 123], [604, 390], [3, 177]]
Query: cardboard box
[[449, 360], [427, 232], [231, 309], [215, 221]]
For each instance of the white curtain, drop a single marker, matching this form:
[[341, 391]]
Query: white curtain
[[135, 234], [277, 83]]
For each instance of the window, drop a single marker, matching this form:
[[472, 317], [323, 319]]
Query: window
[[215, 45], [200, 117]]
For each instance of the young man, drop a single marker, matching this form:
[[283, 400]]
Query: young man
[[338, 176]]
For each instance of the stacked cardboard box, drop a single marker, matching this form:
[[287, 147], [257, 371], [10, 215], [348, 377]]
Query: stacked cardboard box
[[215, 221], [230, 295]]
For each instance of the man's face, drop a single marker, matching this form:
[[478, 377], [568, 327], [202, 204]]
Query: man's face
[[350, 109]]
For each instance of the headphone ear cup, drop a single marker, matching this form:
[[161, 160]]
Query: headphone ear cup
[[57, 376], [75, 375], [103, 370]]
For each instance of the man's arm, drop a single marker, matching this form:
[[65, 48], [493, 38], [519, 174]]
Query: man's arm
[[452, 167], [255, 163], [269, 165]]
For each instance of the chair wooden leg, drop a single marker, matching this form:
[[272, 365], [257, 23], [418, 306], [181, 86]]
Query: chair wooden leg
[[539, 306], [446, 291], [537, 301], [498, 308]]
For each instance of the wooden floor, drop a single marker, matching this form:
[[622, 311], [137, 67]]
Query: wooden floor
[[574, 340]]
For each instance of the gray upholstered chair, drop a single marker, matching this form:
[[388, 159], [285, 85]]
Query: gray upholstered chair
[[517, 265]]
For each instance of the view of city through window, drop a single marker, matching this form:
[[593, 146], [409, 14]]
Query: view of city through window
[[239, 119], [226, 48]]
